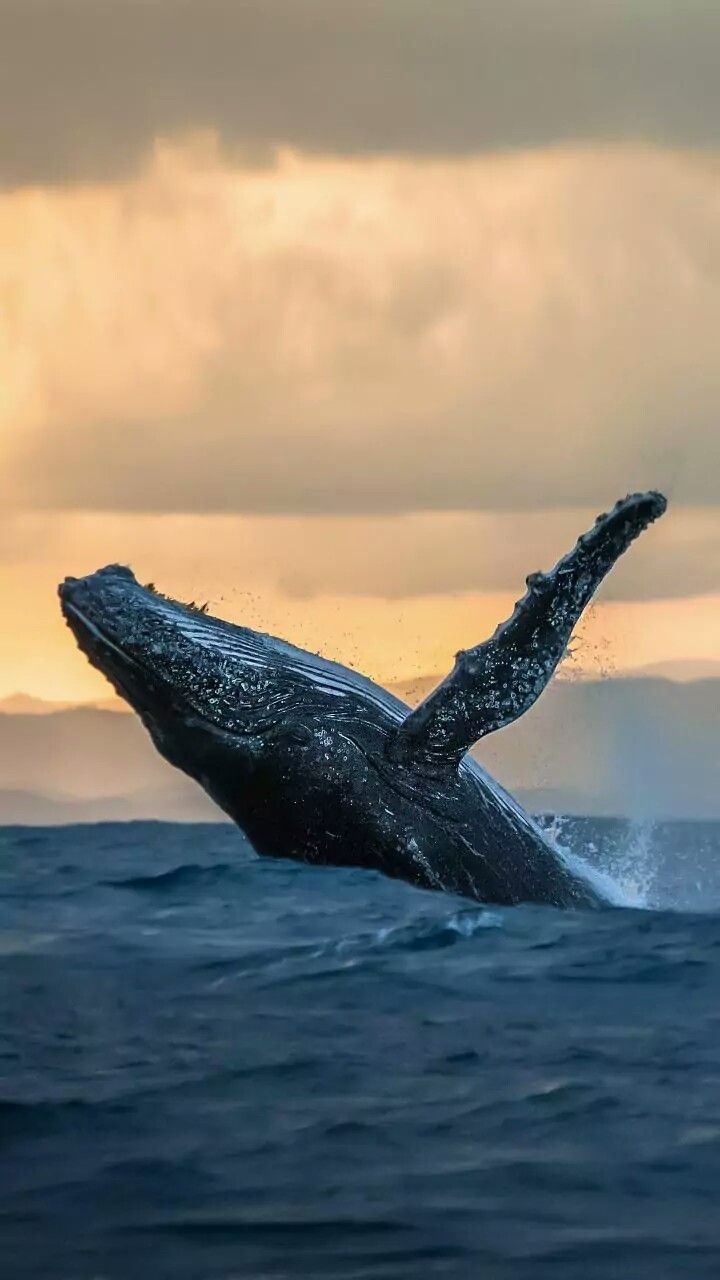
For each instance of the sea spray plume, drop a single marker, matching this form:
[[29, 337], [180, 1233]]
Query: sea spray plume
[[318, 763]]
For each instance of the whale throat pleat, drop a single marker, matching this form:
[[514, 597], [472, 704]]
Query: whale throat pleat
[[497, 681]]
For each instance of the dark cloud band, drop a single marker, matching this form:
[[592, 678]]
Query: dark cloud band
[[88, 84]]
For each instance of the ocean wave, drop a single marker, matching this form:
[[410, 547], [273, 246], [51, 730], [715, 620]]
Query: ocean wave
[[30, 1119], [221, 1066], [423, 934], [187, 875]]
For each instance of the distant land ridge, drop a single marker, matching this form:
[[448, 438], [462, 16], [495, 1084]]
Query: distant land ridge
[[631, 746]]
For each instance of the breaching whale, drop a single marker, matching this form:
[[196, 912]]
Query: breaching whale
[[315, 762]]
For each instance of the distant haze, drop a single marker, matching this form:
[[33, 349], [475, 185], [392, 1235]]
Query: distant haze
[[641, 748]]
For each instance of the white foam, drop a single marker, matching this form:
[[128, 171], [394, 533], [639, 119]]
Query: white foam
[[626, 879]]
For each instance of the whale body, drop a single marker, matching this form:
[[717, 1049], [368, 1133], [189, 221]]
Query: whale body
[[318, 763]]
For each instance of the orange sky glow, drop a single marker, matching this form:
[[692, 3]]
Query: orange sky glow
[[352, 401]]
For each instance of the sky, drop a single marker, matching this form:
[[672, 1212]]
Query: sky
[[345, 317]]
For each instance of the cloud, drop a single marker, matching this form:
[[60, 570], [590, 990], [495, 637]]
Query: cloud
[[364, 336], [89, 84], [392, 558], [395, 597]]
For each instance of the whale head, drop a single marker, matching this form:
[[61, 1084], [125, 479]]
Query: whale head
[[191, 678], [213, 695]]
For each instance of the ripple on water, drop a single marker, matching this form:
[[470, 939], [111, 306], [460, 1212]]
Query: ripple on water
[[213, 1066]]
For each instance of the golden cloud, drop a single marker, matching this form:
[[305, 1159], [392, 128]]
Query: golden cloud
[[367, 336]]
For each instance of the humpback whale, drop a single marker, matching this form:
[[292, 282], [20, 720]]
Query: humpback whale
[[318, 763]]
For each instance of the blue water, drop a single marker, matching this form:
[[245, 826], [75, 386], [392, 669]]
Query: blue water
[[215, 1066]]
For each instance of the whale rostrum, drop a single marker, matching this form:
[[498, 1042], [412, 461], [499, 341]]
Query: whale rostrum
[[316, 762]]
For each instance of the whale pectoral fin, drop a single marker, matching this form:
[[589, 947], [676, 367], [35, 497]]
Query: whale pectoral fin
[[496, 682]]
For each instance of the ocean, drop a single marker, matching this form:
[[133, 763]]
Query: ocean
[[214, 1066]]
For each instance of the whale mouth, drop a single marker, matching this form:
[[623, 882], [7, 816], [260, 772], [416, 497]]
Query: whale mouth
[[129, 678], [163, 657], [92, 608], [83, 627], [73, 593]]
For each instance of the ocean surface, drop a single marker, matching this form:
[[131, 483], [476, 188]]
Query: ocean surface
[[213, 1066]]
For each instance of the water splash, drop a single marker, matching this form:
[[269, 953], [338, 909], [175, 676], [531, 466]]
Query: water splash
[[633, 862], [623, 872]]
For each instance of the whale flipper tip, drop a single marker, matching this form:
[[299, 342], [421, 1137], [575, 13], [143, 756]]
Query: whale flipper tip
[[496, 682]]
